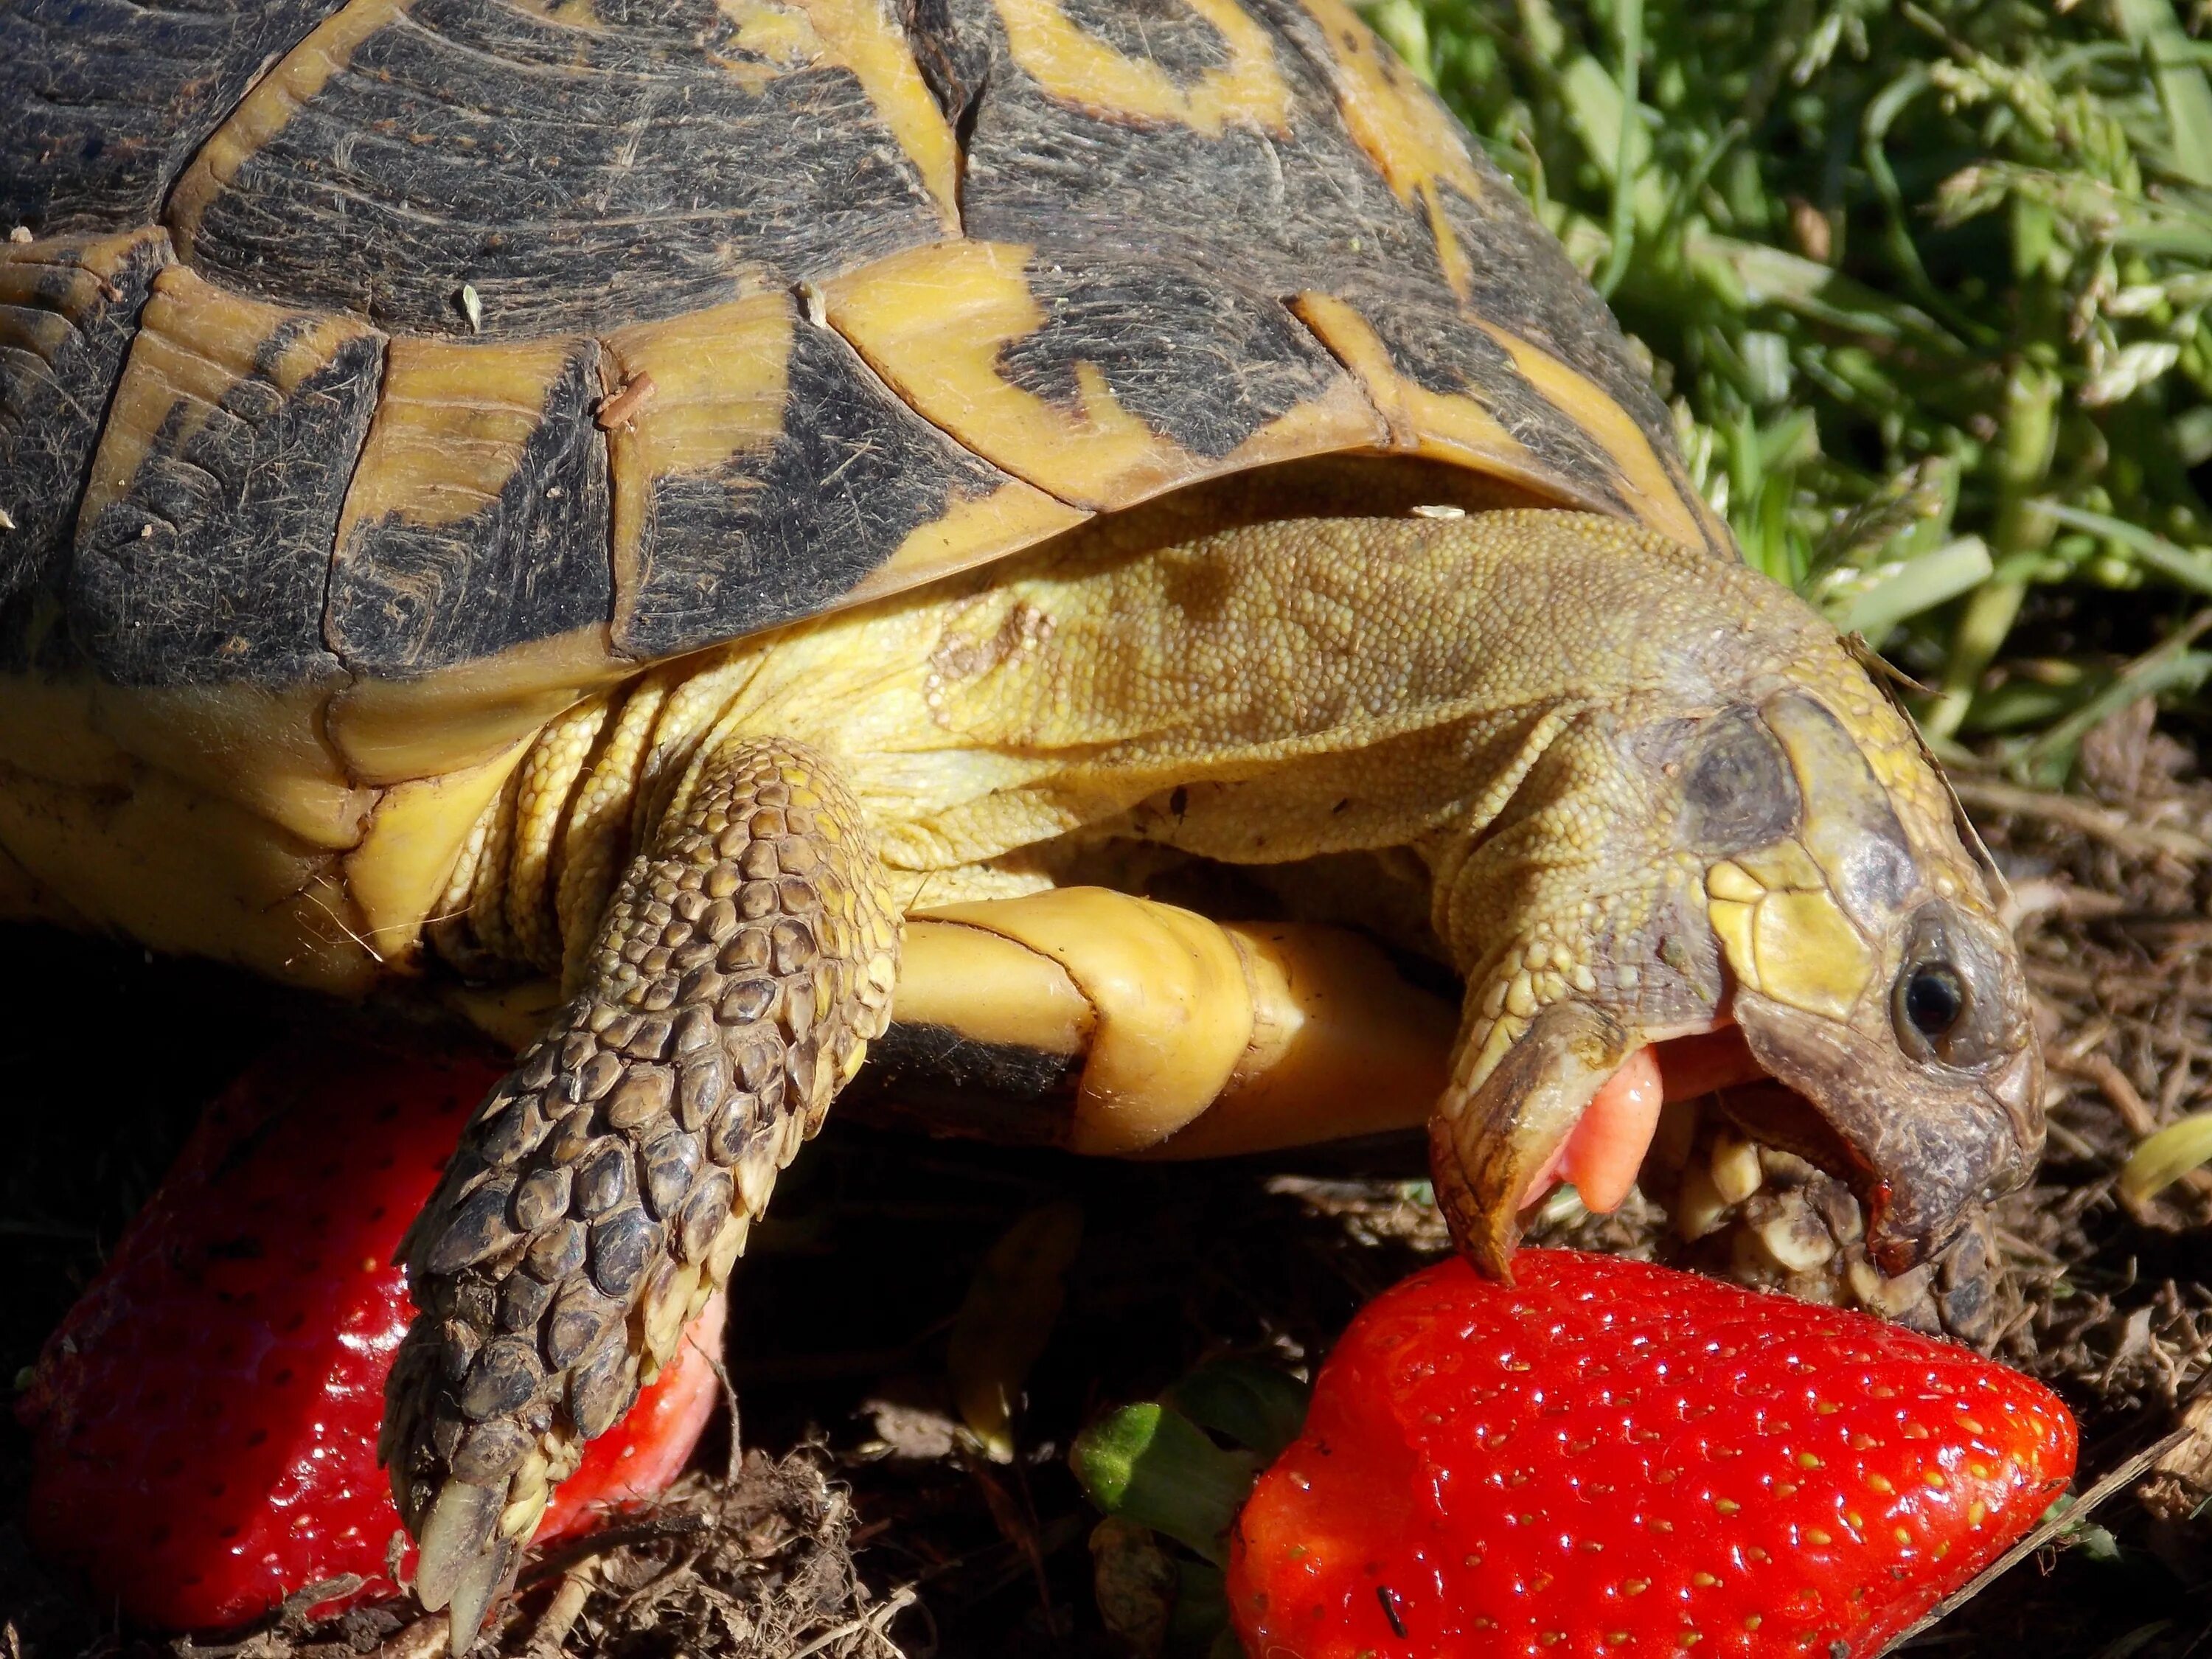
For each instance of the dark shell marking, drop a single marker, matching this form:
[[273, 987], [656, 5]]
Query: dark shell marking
[[477, 518], [502, 321], [102, 102], [203, 541], [67, 306]]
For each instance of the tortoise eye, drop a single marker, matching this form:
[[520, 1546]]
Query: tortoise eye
[[1932, 999], [1948, 1004]]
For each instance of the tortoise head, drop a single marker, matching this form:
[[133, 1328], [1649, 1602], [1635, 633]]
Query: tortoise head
[[1784, 866]]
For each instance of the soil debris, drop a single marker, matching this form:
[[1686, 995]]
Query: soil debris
[[756, 1563]]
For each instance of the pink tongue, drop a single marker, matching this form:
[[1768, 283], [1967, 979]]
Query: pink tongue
[[1603, 1152]]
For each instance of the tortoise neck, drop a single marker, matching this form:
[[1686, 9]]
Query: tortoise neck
[[1261, 694]]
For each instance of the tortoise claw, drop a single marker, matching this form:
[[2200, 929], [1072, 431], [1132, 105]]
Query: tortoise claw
[[483, 1578], [1488, 1143], [457, 1536]]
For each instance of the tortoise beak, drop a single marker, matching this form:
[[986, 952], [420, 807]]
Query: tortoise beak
[[1921, 1149], [1489, 1145]]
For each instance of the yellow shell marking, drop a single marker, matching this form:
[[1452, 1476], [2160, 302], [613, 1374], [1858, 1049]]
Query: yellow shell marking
[[781, 35], [1652, 490], [388, 731], [934, 321], [450, 429], [864, 37], [44, 285], [195, 343], [867, 39], [150, 855], [1407, 134], [257, 746], [719, 388], [719, 384], [1445, 426], [263, 112], [971, 529], [1077, 67]]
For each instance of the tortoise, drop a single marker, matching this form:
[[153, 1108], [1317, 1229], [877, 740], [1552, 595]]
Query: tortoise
[[722, 534]]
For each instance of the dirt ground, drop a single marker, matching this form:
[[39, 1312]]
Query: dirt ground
[[860, 1524]]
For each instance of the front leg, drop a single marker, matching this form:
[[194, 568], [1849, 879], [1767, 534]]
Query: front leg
[[603, 1190]]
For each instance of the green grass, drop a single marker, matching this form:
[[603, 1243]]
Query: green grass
[[1927, 285]]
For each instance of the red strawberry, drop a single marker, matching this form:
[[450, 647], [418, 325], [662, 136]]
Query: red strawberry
[[204, 1421], [1609, 1458]]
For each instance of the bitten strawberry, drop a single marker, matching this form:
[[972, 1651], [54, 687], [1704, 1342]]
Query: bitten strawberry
[[204, 1421], [1607, 1458]]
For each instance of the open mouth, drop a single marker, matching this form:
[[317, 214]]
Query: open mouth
[[1604, 1155], [1740, 1176]]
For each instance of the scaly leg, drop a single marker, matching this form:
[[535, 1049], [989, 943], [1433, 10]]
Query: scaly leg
[[603, 1190]]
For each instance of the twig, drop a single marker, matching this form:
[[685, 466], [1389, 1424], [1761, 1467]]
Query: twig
[[423, 1639], [871, 1622], [2072, 812], [620, 409], [656, 1590], [735, 1461], [2043, 1533], [292, 1616], [2052, 896], [291, 1620], [2126, 1100], [2183, 1473], [2113, 1083], [552, 1630], [649, 1531]]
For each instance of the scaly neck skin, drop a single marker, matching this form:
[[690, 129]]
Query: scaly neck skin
[[1643, 780], [1262, 695]]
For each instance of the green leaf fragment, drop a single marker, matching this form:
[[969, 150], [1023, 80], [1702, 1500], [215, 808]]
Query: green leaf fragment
[[1867, 236], [2154, 27], [2164, 1158], [1150, 1464], [1257, 1407], [1915, 586], [2190, 568]]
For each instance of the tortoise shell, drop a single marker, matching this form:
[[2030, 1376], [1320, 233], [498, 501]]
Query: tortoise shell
[[379, 380], [385, 339]]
